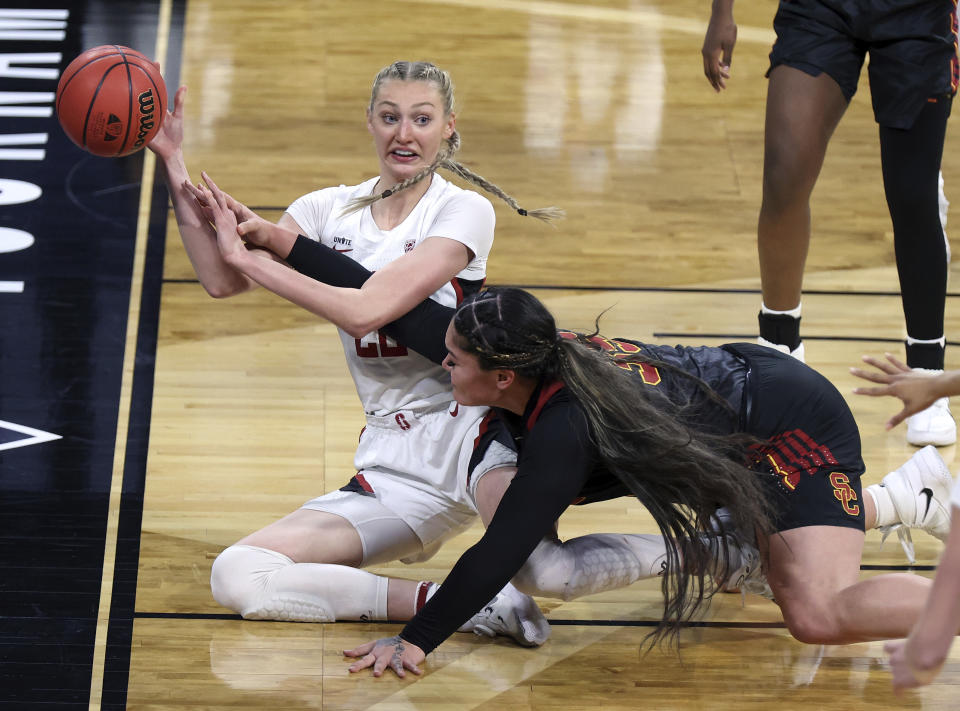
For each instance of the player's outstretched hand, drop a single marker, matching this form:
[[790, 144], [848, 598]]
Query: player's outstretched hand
[[917, 391], [169, 139], [393, 652]]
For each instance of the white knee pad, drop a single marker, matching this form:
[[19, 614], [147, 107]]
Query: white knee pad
[[261, 584], [590, 564], [239, 573], [547, 571]]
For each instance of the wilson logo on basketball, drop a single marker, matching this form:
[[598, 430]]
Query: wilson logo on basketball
[[146, 102], [113, 129]]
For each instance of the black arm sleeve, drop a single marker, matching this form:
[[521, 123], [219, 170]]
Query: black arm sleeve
[[421, 329], [555, 462]]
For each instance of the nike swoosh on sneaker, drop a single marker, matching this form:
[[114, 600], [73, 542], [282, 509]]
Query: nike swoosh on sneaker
[[929, 495]]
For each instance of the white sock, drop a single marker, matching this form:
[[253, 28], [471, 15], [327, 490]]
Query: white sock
[[942, 341], [886, 512], [795, 312]]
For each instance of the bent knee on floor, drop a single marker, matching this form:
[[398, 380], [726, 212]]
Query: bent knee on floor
[[225, 580], [815, 626], [543, 580], [237, 575]]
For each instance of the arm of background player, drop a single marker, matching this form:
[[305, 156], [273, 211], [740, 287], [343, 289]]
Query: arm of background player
[[918, 659], [718, 44], [915, 389]]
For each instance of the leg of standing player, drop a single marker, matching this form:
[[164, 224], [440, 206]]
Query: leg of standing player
[[912, 107], [802, 113]]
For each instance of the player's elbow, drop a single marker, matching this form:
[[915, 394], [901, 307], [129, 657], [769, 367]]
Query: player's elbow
[[220, 290], [357, 330], [225, 286], [359, 325]]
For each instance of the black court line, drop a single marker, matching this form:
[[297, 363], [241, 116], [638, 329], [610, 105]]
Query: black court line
[[657, 290], [694, 290], [127, 555], [186, 616], [655, 623], [652, 289], [728, 337], [588, 623], [566, 622]]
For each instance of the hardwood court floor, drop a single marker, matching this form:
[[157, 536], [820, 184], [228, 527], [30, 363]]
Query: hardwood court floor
[[598, 107]]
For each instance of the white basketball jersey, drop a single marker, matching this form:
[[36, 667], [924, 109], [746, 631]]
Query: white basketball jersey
[[388, 377]]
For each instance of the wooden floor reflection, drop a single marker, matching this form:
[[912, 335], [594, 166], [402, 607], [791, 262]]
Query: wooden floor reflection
[[214, 664]]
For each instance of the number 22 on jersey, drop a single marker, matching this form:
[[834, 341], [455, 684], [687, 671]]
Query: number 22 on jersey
[[377, 345]]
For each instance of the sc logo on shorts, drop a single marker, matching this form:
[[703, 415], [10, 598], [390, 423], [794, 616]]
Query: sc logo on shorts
[[844, 493]]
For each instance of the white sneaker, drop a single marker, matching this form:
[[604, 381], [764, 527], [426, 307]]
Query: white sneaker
[[935, 425], [796, 352], [920, 492], [515, 615], [747, 576]]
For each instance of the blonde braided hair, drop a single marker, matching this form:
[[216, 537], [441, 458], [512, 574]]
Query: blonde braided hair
[[427, 72]]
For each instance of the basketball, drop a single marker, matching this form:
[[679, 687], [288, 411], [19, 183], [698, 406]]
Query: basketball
[[111, 100]]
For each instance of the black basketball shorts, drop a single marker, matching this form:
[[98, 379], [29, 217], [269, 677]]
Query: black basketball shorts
[[811, 463], [912, 47]]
